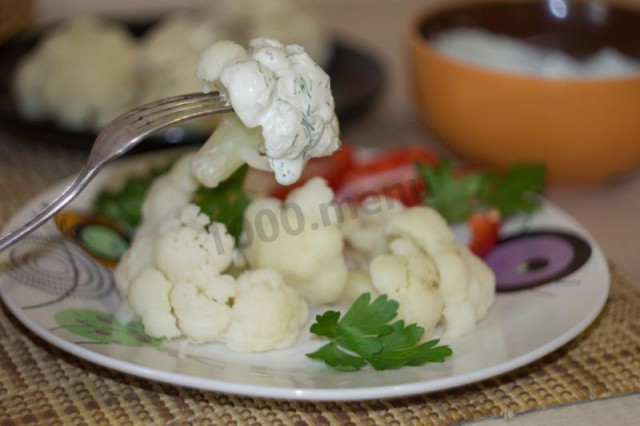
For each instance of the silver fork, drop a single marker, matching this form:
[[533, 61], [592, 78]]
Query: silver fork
[[118, 137]]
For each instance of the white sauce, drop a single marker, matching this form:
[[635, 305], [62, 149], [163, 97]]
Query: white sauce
[[505, 53], [279, 88]]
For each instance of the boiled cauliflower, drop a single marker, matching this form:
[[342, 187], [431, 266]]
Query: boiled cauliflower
[[179, 38], [284, 20], [467, 286], [166, 197], [279, 91], [364, 225], [184, 281], [267, 313], [433, 277], [412, 280], [184, 291], [307, 247], [358, 282], [81, 75]]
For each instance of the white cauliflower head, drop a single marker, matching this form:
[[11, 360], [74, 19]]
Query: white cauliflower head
[[202, 303], [180, 289], [411, 280], [467, 285], [358, 283], [364, 225], [166, 197], [284, 20], [180, 38], [279, 88], [191, 241], [149, 298], [460, 286], [81, 75], [267, 313], [424, 227], [301, 240]]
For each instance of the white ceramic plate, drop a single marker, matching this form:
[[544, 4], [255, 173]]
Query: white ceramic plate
[[61, 294]]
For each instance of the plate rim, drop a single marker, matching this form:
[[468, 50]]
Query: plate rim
[[311, 394]]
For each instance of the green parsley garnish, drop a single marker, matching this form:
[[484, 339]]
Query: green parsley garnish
[[125, 204], [227, 202], [364, 336], [512, 192], [456, 198]]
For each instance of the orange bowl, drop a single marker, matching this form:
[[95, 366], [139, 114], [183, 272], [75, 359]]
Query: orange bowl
[[584, 129]]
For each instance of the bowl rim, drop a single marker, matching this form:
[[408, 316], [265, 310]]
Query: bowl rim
[[418, 41]]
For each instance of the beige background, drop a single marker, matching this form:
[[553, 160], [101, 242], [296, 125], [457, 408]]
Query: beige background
[[609, 211]]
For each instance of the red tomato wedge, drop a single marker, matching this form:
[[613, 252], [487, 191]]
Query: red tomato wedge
[[332, 168], [484, 229], [391, 174]]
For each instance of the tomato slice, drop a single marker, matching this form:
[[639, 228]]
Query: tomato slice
[[332, 168], [484, 229], [392, 174]]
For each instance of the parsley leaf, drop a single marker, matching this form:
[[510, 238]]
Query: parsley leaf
[[227, 202], [363, 335], [512, 192], [337, 358], [125, 204], [455, 198], [400, 350]]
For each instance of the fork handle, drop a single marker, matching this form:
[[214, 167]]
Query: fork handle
[[83, 178]]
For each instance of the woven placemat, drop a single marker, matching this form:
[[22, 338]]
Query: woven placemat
[[41, 384]]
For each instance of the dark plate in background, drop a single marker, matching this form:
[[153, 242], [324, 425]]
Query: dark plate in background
[[356, 78]]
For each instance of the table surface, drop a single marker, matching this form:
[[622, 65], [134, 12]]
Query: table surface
[[608, 211]]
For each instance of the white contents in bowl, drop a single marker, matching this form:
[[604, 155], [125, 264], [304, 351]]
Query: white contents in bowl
[[505, 53]]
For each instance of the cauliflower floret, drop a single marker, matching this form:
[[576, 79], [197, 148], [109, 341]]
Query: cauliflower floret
[[149, 298], [424, 227], [229, 147], [364, 225], [279, 88], [411, 280], [180, 38], [461, 287], [284, 20], [467, 285], [358, 282], [81, 75], [202, 303], [301, 240], [180, 290], [267, 313], [181, 250], [168, 195]]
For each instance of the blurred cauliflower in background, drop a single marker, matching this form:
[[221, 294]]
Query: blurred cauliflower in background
[[169, 54], [87, 71], [283, 20], [82, 75]]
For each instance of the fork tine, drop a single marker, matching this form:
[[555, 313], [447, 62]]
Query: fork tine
[[190, 103], [173, 117], [173, 102]]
